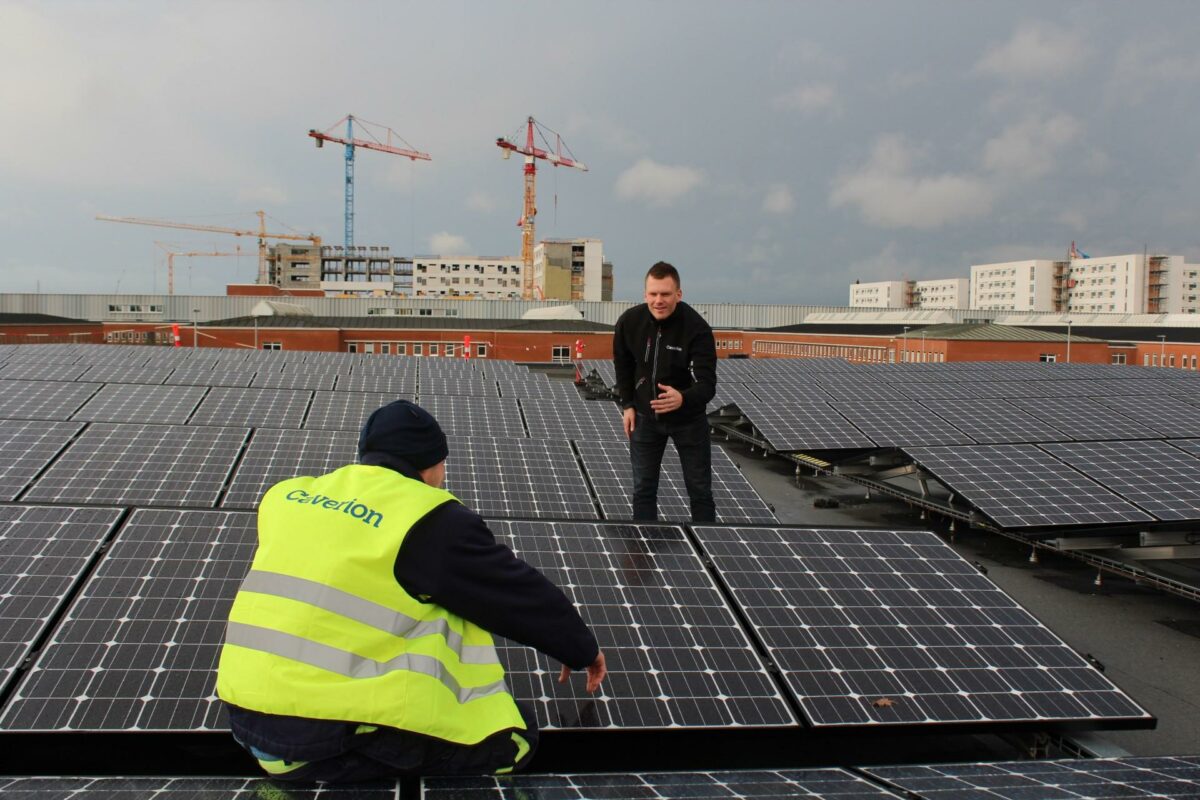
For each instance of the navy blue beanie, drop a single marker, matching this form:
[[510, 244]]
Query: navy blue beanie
[[406, 430]]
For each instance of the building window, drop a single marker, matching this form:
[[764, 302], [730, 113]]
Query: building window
[[433, 348], [385, 348], [450, 351], [272, 346], [1048, 358], [417, 348], [401, 348], [352, 347], [1172, 359], [561, 354], [1145, 361], [1118, 358], [481, 352]]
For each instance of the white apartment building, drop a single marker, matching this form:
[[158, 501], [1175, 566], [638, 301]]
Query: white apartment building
[[569, 269], [937, 293], [879, 294], [1015, 285], [942, 293], [484, 277]]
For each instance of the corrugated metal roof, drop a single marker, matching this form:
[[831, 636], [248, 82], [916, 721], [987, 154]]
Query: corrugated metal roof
[[987, 332], [35, 319]]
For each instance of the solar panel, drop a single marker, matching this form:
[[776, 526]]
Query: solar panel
[[43, 399], [43, 551], [26, 447], [346, 411], [806, 426], [475, 416], [859, 389], [676, 655], [254, 408], [1166, 416], [795, 391], [142, 465], [56, 788], [472, 386], [42, 371], [893, 627], [277, 455], [734, 785], [511, 477], [1187, 445], [900, 422], [590, 419], [994, 421], [1160, 777], [123, 373], [394, 385], [203, 376], [1157, 477], [293, 380], [546, 389], [136, 403], [1084, 419], [1019, 486], [608, 468], [138, 648]]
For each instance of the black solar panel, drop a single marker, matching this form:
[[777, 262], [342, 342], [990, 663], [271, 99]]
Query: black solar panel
[[512, 477], [1019, 486], [859, 389], [203, 376], [346, 411], [129, 403], [26, 447], [1083, 419], [557, 419], [169, 465], [186, 789], [475, 416], [43, 551], [123, 373], [994, 421], [733, 785], [42, 371], [138, 648], [1166, 778], [43, 399], [798, 390], [469, 385], [900, 422], [256, 408], [1166, 416], [808, 426], [293, 380], [893, 627], [558, 390], [394, 385], [608, 468], [676, 655], [277, 455], [1155, 476]]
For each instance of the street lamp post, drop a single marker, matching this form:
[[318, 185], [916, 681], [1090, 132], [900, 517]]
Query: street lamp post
[[922, 345], [1162, 349], [1068, 341], [195, 327], [904, 345]]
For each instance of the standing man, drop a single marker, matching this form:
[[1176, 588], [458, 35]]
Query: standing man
[[666, 364], [360, 644]]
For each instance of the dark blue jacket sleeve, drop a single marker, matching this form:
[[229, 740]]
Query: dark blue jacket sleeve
[[451, 558]]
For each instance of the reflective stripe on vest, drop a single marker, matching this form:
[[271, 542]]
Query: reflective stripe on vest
[[321, 629]]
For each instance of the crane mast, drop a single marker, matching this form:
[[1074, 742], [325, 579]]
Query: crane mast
[[527, 222]]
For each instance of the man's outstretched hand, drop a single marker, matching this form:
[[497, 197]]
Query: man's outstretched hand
[[595, 673]]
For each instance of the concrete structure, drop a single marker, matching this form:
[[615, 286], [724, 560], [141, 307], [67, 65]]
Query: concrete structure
[[571, 269], [484, 277], [1016, 285], [936, 293]]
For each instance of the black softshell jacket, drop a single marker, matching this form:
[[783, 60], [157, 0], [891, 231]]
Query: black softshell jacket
[[678, 352]]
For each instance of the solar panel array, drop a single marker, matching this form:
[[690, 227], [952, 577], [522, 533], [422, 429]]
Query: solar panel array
[[138, 788], [894, 627], [151, 530]]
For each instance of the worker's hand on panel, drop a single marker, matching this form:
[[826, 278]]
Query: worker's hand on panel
[[669, 399], [630, 418], [595, 673]]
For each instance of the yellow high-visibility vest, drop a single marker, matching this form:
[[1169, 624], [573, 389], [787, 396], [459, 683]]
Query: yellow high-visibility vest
[[320, 628]]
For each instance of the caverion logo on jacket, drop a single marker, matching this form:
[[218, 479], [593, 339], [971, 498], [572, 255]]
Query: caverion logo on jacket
[[352, 507]]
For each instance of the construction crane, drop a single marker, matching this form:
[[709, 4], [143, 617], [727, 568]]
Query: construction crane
[[373, 144], [171, 254], [532, 153], [261, 234]]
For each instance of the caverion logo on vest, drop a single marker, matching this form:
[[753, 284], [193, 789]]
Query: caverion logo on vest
[[352, 507]]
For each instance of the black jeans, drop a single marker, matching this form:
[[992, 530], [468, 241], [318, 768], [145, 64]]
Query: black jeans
[[388, 753], [646, 448]]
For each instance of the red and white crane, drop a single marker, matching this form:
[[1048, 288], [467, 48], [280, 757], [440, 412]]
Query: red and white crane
[[532, 153]]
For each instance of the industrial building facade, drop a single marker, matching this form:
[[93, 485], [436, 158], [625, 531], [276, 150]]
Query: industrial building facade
[[937, 293]]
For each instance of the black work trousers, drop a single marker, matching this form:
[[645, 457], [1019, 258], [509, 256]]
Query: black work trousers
[[646, 448], [389, 753]]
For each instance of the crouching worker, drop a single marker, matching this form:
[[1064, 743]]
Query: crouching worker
[[360, 643]]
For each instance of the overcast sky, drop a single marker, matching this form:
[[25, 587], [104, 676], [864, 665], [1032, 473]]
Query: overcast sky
[[773, 151]]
